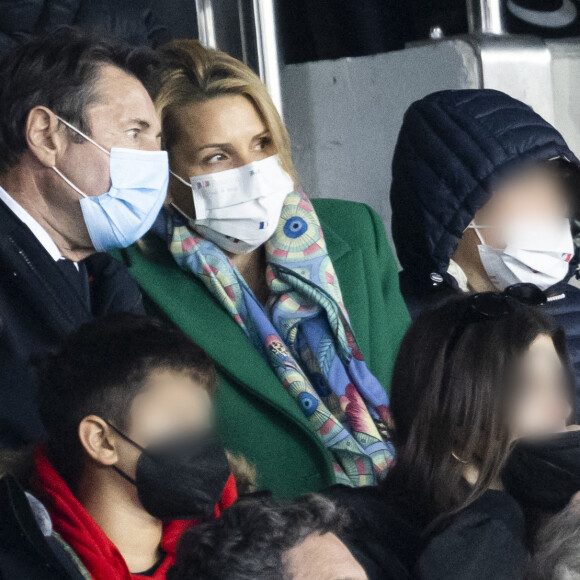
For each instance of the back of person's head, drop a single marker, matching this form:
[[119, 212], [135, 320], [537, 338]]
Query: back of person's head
[[557, 547], [459, 394], [59, 71], [251, 539], [195, 74], [99, 370]]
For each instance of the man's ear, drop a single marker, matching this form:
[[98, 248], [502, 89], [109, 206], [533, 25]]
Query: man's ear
[[97, 440], [43, 137]]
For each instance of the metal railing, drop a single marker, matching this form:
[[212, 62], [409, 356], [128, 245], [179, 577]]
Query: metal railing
[[206, 23], [486, 17], [248, 31], [267, 44]]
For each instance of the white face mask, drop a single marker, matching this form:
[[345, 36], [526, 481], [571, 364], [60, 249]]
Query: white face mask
[[535, 252], [239, 209]]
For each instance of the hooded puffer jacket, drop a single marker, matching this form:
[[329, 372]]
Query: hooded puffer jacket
[[452, 150]]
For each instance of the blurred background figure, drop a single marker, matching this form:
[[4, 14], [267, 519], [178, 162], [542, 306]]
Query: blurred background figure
[[130, 459], [135, 21]]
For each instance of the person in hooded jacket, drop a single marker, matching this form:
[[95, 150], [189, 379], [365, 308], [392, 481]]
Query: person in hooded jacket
[[485, 196]]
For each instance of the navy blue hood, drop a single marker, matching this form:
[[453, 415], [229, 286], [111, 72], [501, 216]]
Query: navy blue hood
[[452, 149]]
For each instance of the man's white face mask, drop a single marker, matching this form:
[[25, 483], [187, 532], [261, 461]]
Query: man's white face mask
[[239, 209], [538, 252]]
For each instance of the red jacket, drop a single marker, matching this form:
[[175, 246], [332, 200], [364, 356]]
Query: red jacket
[[80, 531]]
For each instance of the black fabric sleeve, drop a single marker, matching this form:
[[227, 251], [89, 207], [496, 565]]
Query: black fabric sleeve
[[377, 537], [484, 541]]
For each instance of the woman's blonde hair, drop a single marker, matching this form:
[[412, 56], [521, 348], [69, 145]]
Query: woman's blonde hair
[[195, 74]]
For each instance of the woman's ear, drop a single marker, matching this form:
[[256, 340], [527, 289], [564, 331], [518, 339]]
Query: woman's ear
[[43, 137], [97, 440]]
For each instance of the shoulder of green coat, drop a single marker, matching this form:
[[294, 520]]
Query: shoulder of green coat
[[342, 212], [356, 223]]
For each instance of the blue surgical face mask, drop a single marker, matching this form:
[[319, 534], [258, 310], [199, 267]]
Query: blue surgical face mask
[[122, 215]]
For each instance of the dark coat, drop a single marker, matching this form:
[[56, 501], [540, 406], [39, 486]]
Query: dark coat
[[483, 541], [131, 20], [453, 148], [38, 307], [25, 552]]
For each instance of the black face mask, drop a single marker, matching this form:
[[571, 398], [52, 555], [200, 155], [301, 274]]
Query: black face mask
[[544, 474], [182, 477]]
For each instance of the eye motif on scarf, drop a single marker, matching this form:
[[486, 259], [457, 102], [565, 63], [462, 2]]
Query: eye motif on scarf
[[304, 334]]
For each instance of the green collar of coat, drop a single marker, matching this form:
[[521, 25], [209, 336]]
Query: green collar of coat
[[173, 289]]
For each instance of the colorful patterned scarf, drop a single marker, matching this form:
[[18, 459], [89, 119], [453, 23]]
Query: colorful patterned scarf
[[303, 333]]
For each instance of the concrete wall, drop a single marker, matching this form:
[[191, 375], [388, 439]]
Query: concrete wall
[[566, 87], [344, 116]]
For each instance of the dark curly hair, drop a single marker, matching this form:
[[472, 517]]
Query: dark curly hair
[[249, 540]]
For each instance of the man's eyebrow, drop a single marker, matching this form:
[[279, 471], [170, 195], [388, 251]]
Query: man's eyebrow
[[141, 122]]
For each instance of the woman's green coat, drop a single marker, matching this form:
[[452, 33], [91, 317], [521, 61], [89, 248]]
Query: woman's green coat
[[257, 417]]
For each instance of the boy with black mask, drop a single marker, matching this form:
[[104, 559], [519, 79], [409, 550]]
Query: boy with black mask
[[131, 459]]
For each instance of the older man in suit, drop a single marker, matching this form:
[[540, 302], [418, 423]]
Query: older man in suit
[[80, 171]]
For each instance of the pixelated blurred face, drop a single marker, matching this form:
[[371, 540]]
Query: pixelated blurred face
[[323, 557], [541, 401], [223, 133], [171, 403], [534, 194]]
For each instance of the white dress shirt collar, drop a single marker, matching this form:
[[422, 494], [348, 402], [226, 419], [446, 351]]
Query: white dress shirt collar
[[39, 232]]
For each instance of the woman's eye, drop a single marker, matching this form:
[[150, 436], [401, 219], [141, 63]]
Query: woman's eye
[[264, 143], [133, 133], [215, 158]]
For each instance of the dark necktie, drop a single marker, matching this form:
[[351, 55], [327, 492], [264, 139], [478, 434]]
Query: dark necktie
[[78, 278]]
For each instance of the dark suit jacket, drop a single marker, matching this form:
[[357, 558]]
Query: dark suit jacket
[[25, 552], [38, 307]]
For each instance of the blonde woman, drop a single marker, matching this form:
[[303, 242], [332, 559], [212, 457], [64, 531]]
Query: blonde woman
[[297, 301]]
